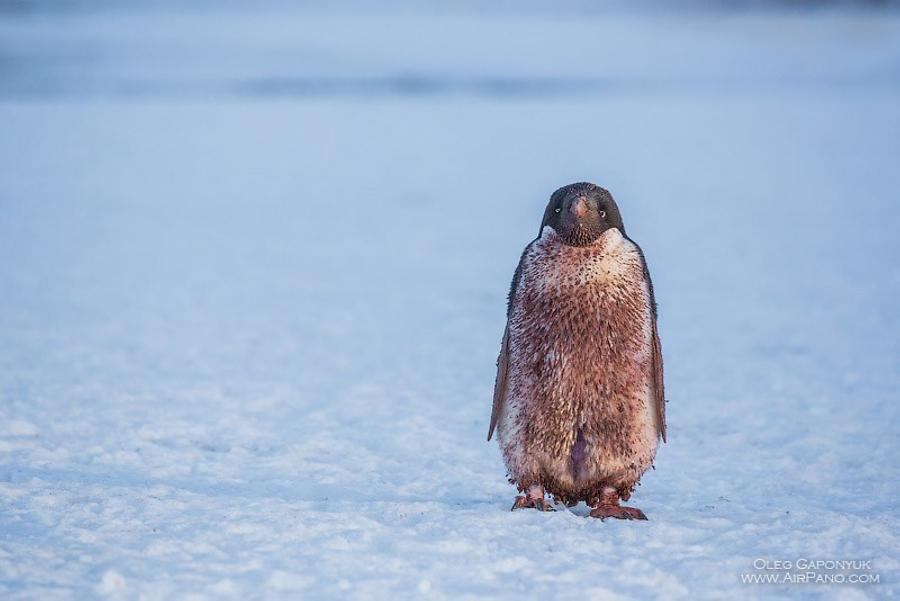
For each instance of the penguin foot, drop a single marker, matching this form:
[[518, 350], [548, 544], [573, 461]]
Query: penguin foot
[[609, 508], [539, 504], [618, 512], [534, 498]]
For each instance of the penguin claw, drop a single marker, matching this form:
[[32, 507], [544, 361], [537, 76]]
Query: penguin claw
[[519, 502], [544, 505]]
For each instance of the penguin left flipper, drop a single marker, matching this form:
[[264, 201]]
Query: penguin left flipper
[[659, 393], [656, 366]]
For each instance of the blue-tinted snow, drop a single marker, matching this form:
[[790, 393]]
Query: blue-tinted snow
[[252, 278]]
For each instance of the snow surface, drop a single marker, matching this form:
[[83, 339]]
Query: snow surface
[[253, 269]]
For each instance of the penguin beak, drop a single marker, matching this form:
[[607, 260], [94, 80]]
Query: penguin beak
[[579, 207]]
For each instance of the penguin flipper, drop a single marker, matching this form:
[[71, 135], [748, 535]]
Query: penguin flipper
[[656, 361], [659, 393], [503, 359], [500, 382]]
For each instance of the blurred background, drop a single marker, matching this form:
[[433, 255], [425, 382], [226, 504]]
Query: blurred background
[[253, 268]]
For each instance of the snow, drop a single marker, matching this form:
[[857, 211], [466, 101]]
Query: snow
[[253, 270]]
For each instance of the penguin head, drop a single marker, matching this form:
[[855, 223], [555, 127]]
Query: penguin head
[[580, 213]]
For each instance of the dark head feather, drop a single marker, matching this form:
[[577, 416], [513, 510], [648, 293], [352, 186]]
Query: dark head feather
[[580, 225]]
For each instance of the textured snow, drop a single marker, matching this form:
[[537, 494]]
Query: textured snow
[[253, 271]]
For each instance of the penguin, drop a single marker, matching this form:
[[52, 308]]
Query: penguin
[[579, 403]]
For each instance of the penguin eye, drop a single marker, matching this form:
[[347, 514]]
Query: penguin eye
[[602, 214], [557, 210]]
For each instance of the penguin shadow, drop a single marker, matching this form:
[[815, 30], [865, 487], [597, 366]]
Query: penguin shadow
[[581, 510]]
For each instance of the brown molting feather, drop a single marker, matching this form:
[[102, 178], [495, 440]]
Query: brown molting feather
[[580, 363]]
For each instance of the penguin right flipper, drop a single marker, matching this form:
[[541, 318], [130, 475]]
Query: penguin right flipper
[[500, 382], [503, 359]]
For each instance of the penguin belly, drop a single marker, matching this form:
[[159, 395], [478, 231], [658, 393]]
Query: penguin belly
[[579, 416]]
